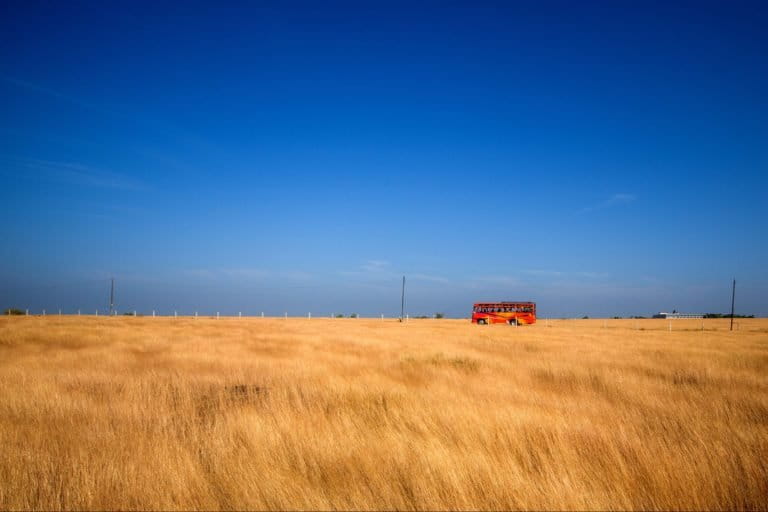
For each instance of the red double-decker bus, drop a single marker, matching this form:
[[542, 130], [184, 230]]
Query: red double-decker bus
[[512, 313]]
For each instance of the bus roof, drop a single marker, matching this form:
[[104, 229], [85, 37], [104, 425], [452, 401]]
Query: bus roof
[[505, 302]]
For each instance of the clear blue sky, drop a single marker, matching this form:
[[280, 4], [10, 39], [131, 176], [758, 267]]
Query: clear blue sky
[[599, 159]]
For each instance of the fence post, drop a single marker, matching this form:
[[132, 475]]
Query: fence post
[[217, 315], [286, 315], [670, 326], [240, 314], [153, 313], [262, 314]]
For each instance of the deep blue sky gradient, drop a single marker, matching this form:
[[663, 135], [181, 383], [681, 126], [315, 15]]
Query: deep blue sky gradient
[[599, 159]]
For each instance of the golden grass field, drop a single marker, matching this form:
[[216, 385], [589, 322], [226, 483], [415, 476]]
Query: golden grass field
[[163, 413]]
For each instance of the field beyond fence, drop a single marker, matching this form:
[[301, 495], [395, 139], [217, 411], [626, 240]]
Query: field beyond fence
[[251, 413]]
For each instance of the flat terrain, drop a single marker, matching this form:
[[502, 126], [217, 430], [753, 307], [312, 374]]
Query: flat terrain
[[163, 413]]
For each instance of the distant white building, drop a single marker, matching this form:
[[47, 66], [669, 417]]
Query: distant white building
[[675, 314]]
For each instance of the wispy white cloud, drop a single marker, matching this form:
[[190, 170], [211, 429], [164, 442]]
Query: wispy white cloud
[[114, 112], [376, 266], [383, 270], [82, 175], [536, 278], [485, 281], [592, 275], [547, 273], [614, 200], [246, 274], [427, 277], [203, 273], [29, 86], [243, 273], [565, 274]]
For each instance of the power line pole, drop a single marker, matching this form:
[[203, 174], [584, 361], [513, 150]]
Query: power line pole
[[402, 302], [733, 301], [112, 297]]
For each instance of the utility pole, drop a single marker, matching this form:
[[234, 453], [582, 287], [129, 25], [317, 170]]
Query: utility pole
[[112, 298], [733, 301], [402, 302]]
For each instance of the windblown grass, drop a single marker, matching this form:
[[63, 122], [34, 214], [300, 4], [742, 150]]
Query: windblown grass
[[151, 413]]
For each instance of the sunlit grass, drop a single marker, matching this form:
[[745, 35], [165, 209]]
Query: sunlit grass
[[158, 413]]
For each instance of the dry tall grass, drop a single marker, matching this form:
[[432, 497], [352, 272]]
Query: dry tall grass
[[151, 413]]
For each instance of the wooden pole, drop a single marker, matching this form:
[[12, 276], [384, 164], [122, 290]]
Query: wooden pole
[[733, 301], [402, 301]]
